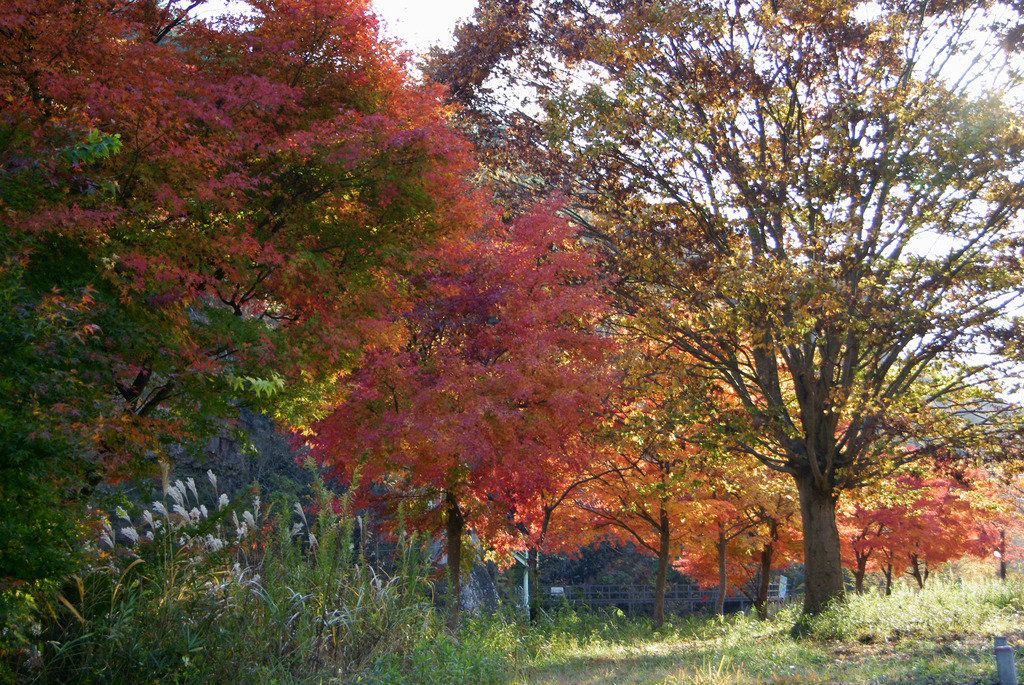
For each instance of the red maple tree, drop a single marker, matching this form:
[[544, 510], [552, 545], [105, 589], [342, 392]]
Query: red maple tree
[[264, 165], [222, 191], [473, 402], [917, 522], [741, 524]]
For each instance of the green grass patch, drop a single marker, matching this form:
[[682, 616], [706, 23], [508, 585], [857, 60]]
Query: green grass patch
[[940, 635]]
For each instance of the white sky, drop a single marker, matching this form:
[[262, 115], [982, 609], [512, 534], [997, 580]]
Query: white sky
[[422, 23], [417, 23]]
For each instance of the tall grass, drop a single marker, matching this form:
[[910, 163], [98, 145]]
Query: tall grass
[[944, 608], [190, 593]]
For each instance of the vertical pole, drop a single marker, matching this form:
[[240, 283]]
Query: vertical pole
[[526, 586], [1005, 664], [1002, 554]]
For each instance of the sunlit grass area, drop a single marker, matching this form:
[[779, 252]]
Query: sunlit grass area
[[940, 635]]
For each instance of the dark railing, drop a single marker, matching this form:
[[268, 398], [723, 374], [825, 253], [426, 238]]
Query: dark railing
[[632, 598]]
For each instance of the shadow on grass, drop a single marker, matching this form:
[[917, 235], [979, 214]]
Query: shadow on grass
[[784, 661]]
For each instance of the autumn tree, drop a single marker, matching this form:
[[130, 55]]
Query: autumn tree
[[637, 500], [921, 521], [49, 347], [653, 448], [550, 520], [998, 493], [473, 402], [220, 191], [51, 356], [740, 525], [817, 203], [266, 163]]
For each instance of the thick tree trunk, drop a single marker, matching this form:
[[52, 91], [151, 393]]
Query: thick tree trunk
[[660, 579], [823, 565], [723, 581], [454, 528], [888, 579]]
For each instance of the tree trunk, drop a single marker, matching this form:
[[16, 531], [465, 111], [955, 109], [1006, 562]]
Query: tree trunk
[[454, 527], [888, 579], [823, 563], [767, 556], [659, 581], [915, 570], [532, 564], [1002, 554], [862, 569], [723, 580]]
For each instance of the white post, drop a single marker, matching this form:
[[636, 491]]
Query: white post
[[524, 560]]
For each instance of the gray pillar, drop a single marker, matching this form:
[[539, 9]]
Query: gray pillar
[[1005, 664]]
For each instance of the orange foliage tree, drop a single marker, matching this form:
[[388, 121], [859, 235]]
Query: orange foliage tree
[[741, 523], [916, 522], [643, 480]]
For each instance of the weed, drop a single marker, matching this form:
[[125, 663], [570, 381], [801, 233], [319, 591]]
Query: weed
[[187, 592]]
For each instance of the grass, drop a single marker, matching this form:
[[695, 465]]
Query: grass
[[941, 635], [227, 593], [771, 659], [185, 593]]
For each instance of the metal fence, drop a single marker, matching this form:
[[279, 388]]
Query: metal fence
[[679, 598]]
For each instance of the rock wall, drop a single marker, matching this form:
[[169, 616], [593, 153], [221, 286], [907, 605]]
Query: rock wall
[[253, 452]]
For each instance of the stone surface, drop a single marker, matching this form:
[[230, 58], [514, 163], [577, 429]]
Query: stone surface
[[254, 451], [479, 590]]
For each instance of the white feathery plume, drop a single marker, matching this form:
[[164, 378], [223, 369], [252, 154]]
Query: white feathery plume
[[177, 495]]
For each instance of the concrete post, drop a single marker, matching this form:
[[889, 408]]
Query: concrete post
[[1005, 663]]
